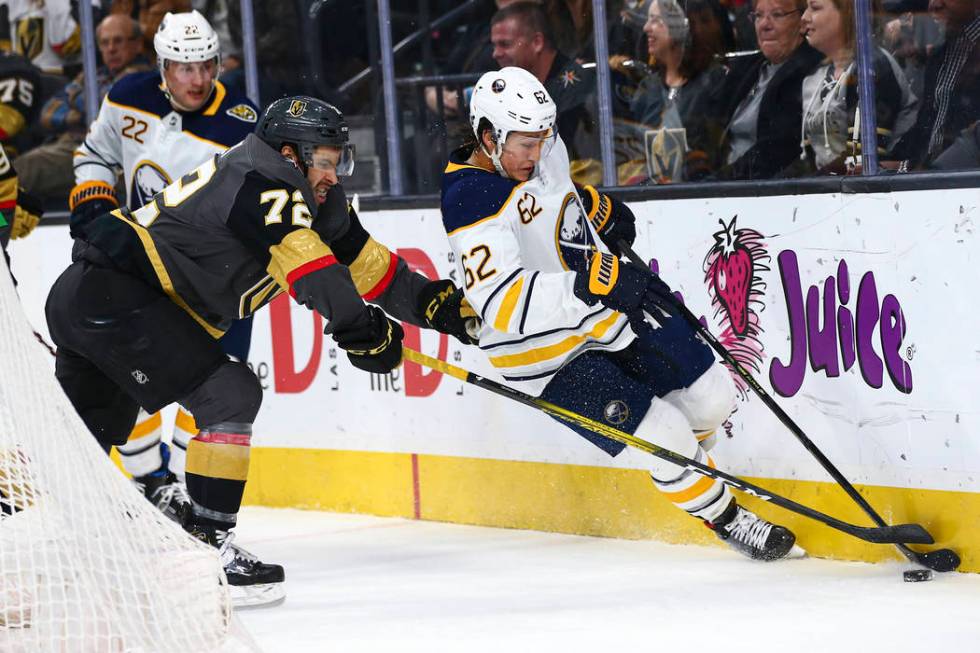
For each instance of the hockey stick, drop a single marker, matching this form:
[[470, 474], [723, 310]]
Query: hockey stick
[[883, 534], [939, 560]]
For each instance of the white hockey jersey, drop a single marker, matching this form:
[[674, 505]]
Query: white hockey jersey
[[518, 247], [139, 131], [44, 32]]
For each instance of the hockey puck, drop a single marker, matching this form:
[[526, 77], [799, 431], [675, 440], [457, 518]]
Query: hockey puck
[[916, 575]]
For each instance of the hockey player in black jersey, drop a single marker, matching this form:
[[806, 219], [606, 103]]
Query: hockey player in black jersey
[[136, 315]]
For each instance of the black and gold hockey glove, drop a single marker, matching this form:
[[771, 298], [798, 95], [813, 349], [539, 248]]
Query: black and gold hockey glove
[[27, 214], [375, 347], [446, 310], [611, 219]]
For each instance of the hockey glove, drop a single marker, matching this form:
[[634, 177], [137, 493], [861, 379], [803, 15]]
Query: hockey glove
[[446, 310], [27, 214], [624, 288], [88, 201], [375, 347], [611, 219]]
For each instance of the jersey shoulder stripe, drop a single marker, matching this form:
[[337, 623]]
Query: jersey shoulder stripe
[[141, 91], [227, 120], [471, 195]]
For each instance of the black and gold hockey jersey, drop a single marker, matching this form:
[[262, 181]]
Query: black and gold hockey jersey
[[226, 238], [20, 88]]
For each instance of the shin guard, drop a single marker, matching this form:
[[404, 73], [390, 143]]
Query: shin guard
[[217, 467]]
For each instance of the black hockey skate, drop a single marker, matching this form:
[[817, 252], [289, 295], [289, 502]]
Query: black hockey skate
[[751, 535], [167, 493], [163, 489], [252, 582]]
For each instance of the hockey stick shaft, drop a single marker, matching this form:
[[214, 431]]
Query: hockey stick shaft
[[880, 535], [789, 423]]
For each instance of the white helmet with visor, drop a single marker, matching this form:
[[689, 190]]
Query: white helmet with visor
[[512, 100]]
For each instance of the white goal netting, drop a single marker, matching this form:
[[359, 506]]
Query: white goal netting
[[87, 564]]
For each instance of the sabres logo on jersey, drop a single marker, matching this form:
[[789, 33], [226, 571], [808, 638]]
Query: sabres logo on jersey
[[148, 180], [243, 112], [297, 108], [573, 237]]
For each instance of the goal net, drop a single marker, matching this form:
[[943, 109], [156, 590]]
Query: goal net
[[87, 564]]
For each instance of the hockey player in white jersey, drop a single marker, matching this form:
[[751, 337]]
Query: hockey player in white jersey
[[155, 127], [564, 318]]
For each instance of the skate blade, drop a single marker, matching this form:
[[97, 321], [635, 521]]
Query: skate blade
[[244, 597], [796, 553]]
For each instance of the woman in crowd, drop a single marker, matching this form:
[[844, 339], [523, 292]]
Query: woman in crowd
[[830, 132], [677, 100]]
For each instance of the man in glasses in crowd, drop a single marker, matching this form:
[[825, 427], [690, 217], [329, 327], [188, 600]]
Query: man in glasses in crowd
[[763, 104]]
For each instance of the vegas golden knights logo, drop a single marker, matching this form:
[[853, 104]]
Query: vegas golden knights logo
[[30, 37], [297, 108]]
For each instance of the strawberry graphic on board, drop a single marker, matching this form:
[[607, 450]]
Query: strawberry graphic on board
[[731, 274], [733, 270]]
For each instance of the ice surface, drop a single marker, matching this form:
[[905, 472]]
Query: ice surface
[[359, 583]]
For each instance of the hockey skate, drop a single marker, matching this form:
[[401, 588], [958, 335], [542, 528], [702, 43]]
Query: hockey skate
[[167, 493], [252, 582], [163, 489], [751, 535]]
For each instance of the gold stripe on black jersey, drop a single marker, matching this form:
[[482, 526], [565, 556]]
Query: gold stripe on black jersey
[[163, 277], [8, 193], [257, 296]]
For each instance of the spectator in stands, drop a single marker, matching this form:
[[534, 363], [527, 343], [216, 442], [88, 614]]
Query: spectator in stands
[[571, 26], [19, 105], [911, 37], [830, 130], [46, 171], [149, 14], [473, 52], [952, 85], [963, 154], [521, 36], [762, 94], [677, 102]]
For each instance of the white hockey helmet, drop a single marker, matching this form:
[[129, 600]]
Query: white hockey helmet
[[186, 38], [511, 100]]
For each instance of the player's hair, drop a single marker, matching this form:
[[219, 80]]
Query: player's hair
[[529, 14]]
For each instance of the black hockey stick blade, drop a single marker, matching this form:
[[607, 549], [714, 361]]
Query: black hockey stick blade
[[897, 534], [941, 560]]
